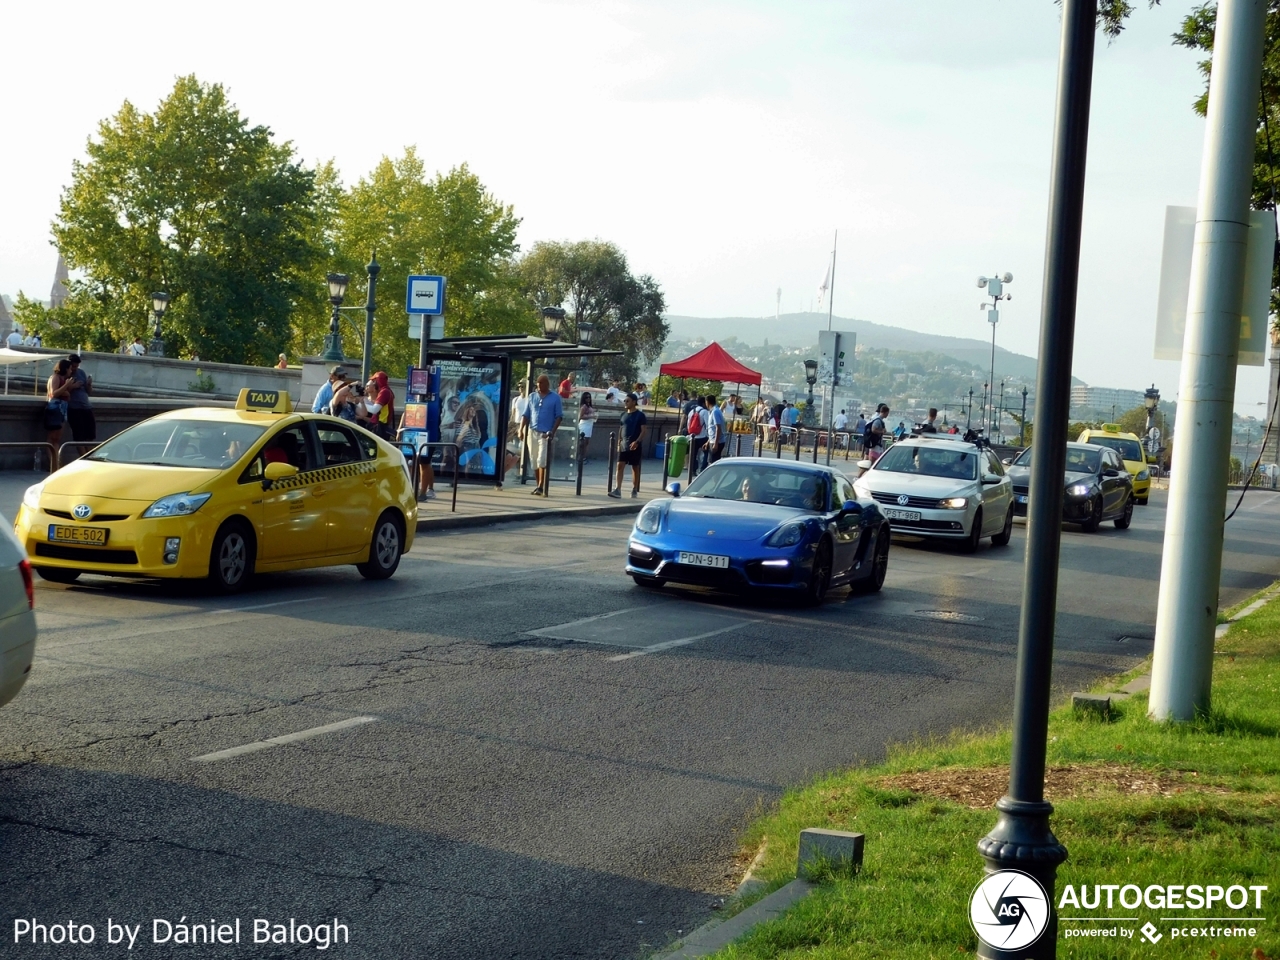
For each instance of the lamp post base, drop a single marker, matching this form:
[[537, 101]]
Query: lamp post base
[[156, 349], [1022, 840], [333, 349]]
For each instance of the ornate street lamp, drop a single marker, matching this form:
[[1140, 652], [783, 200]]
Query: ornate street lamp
[[552, 318], [1151, 400], [585, 330], [159, 304], [810, 377], [1022, 434], [333, 342]]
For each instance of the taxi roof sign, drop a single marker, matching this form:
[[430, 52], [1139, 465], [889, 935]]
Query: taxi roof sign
[[264, 401], [1111, 428]]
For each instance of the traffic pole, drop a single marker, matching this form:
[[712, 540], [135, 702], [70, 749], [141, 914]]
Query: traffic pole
[[1187, 610], [1021, 839]]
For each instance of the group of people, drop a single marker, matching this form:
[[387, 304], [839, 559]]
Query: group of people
[[370, 405], [16, 339], [67, 402], [704, 422]]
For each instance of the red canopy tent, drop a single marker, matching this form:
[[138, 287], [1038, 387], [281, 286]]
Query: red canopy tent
[[712, 362]]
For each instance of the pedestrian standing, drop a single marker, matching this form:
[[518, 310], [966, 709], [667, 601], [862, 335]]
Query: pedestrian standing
[[686, 405], [324, 396], [136, 349], [717, 434], [873, 436], [566, 387], [345, 398], [586, 424], [79, 412], [380, 406], [282, 363], [58, 390], [542, 420], [631, 428], [930, 426], [696, 426], [15, 337]]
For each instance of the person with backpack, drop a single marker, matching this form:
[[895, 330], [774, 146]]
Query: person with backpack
[[696, 427], [873, 434]]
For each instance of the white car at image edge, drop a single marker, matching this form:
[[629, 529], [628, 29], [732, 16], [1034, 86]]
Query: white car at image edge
[[17, 615], [941, 488]]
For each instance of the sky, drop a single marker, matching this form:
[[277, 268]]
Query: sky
[[721, 145]]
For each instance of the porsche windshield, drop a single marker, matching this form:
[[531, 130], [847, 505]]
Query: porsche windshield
[[180, 443], [801, 489], [929, 461]]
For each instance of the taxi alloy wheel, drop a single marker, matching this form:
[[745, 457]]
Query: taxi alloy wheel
[[386, 549], [231, 563]]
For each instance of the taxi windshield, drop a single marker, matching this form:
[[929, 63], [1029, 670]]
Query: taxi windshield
[[1128, 449], [203, 444], [930, 461]]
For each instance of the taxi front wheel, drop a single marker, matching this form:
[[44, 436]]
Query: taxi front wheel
[[232, 557], [385, 550]]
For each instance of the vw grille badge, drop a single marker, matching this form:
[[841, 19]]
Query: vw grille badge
[[903, 500], [82, 511]]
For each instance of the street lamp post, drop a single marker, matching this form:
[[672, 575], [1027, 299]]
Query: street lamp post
[[552, 320], [1151, 400], [333, 342], [1022, 434], [373, 269], [968, 415], [995, 290], [810, 377], [159, 304]]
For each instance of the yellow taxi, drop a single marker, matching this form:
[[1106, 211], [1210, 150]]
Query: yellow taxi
[[221, 494], [1130, 449]]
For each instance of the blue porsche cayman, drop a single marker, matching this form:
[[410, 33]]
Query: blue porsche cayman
[[749, 523]]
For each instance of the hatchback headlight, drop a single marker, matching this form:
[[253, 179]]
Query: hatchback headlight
[[787, 535], [1078, 490], [955, 503], [650, 519], [31, 499], [177, 505], [1143, 474]]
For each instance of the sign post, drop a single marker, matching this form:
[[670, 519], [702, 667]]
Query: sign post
[[424, 298], [835, 351]]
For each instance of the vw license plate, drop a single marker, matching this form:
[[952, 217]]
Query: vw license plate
[[1021, 499], [913, 515], [97, 536], [704, 560]]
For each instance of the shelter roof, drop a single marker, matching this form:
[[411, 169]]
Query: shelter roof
[[519, 346], [712, 362]]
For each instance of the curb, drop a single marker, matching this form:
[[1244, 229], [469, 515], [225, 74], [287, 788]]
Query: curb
[[718, 934], [453, 522]]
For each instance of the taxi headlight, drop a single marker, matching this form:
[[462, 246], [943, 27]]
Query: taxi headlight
[[1143, 474], [787, 535], [650, 519], [177, 505], [1078, 490], [955, 503], [31, 499]]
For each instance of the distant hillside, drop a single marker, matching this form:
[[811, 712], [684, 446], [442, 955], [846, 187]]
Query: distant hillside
[[801, 330]]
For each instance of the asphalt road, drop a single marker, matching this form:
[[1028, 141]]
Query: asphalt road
[[515, 794]]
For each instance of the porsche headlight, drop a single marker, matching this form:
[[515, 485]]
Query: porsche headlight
[[955, 503], [1078, 490], [650, 519], [177, 505], [31, 499], [787, 535], [1143, 474]]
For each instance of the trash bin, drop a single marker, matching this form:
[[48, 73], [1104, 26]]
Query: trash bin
[[679, 452], [659, 451]]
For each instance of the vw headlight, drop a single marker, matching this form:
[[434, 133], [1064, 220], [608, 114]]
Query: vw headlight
[[650, 519], [1143, 474], [177, 505], [787, 535], [862, 490], [955, 503], [1078, 490], [31, 499]]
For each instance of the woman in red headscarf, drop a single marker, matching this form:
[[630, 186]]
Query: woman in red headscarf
[[380, 404]]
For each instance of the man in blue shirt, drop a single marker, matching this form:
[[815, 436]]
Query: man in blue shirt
[[542, 419], [324, 396], [717, 433]]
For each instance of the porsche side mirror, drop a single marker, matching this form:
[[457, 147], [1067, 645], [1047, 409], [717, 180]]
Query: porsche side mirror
[[851, 507], [673, 488]]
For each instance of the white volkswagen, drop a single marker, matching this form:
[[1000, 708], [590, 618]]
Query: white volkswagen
[[17, 615], [941, 488]]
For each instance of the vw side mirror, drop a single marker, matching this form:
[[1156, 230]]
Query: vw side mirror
[[1007, 461], [989, 479], [864, 465], [673, 488]]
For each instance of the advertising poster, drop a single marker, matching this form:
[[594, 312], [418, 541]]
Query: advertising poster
[[469, 396]]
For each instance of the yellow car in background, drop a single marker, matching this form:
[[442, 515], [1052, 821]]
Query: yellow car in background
[[1130, 449], [221, 494]]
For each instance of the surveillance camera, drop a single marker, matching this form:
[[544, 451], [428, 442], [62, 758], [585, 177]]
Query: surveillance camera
[[1008, 278], [982, 281], [1008, 296]]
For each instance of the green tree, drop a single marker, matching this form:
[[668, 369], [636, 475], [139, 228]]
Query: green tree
[[191, 200], [592, 281], [448, 224]]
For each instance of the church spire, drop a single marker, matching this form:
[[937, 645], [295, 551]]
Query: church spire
[[58, 295]]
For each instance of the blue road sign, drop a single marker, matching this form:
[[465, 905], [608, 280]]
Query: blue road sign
[[425, 295]]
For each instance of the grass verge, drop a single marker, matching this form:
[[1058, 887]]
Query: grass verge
[[1135, 802]]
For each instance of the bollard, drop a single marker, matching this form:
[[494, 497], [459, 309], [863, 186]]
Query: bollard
[[797, 445], [666, 458], [613, 456], [582, 452], [815, 446], [777, 445]]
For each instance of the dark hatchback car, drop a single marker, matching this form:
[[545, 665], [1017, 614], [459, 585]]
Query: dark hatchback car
[[1098, 487]]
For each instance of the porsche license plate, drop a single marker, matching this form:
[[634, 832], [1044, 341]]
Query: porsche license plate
[[95, 536], [704, 560], [913, 515]]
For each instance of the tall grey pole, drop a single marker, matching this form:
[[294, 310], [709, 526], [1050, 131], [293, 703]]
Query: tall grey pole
[[1022, 839], [366, 367], [1186, 615], [835, 361]]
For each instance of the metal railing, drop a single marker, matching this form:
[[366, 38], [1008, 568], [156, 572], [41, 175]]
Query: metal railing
[[417, 468], [91, 444], [36, 445]]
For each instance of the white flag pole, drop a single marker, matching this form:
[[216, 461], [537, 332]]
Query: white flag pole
[[831, 393]]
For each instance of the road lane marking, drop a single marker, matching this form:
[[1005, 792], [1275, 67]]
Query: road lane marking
[[668, 644], [281, 741], [264, 606]]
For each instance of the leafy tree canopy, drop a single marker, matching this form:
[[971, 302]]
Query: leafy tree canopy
[[193, 201], [592, 281]]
